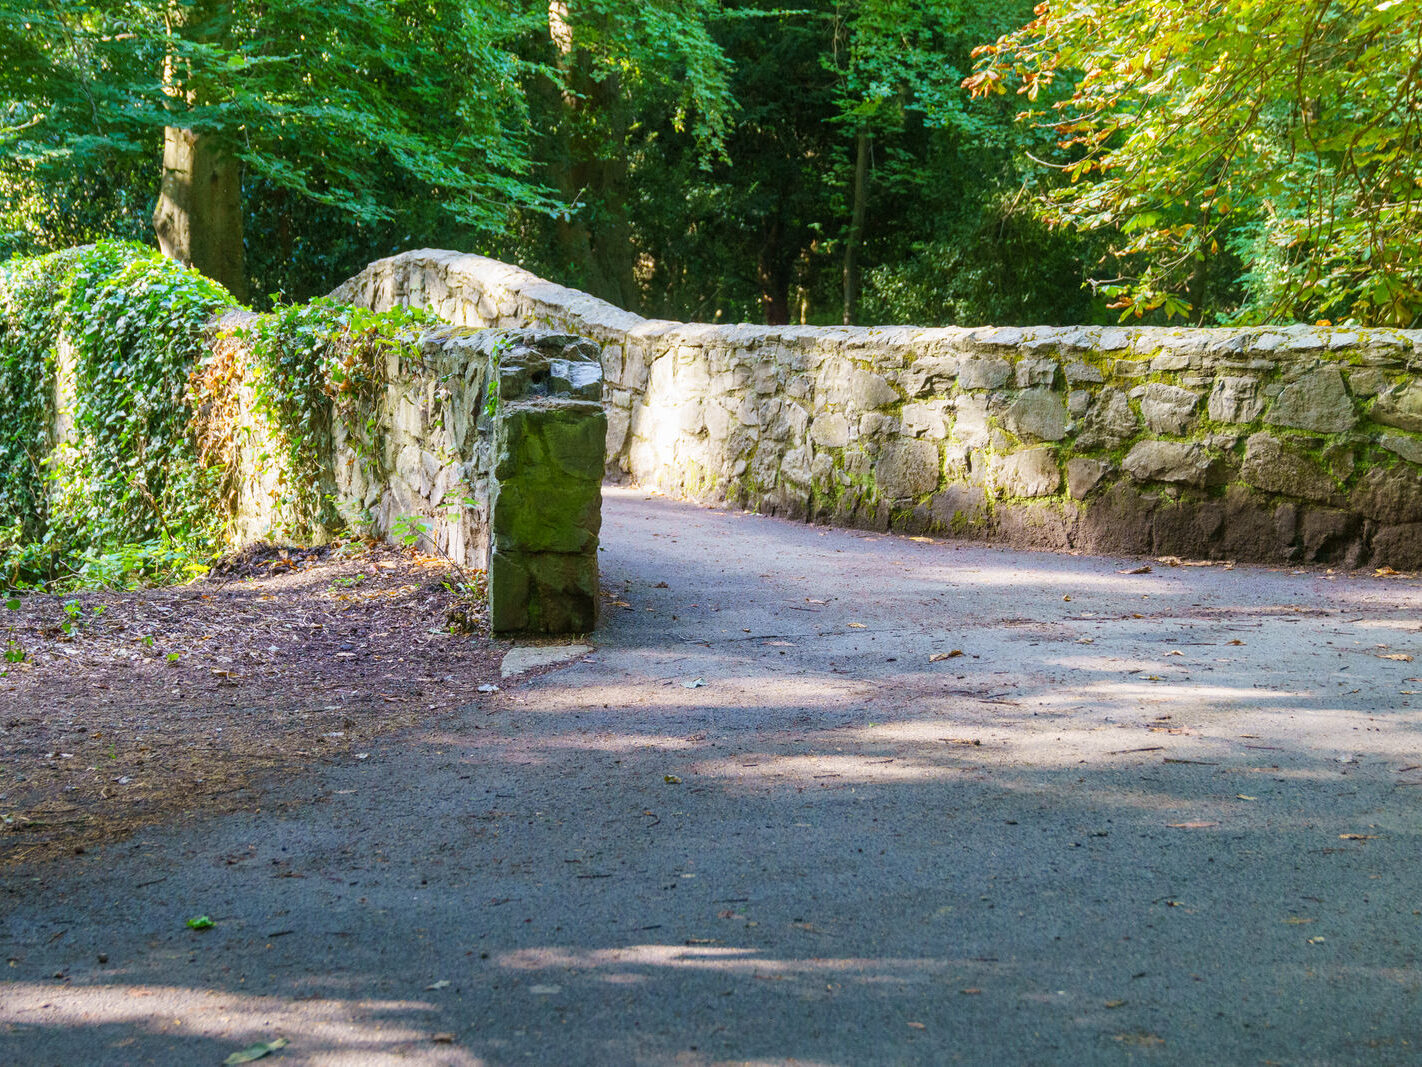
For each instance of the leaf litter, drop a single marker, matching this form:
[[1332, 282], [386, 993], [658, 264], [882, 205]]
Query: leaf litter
[[101, 733]]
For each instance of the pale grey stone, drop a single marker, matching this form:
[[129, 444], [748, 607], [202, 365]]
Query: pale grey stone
[[1400, 444], [1030, 372], [923, 420], [1109, 424], [1112, 340], [1130, 368], [765, 379], [983, 373], [908, 469], [876, 425], [1084, 475], [1083, 372], [1168, 461], [1170, 361], [929, 375], [1278, 467], [1366, 381], [1168, 408], [830, 430], [1235, 400], [959, 506], [1038, 413], [1400, 406], [795, 467], [1031, 472], [867, 391], [970, 425], [1318, 401], [1078, 401]]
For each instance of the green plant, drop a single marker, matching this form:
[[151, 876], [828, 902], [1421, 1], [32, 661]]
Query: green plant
[[409, 530], [14, 652]]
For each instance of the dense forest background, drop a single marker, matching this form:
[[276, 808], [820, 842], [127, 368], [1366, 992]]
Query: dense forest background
[[878, 161]]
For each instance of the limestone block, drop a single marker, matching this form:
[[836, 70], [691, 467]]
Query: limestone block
[[1366, 381], [1407, 447], [868, 391], [1031, 472], [1400, 406], [907, 469], [1168, 461], [765, 379], [1078, 402], [923, 420], [875, 425], [1389, 495], [1109, 424], [1235, 400], [1278, 467], [1168, 408], [1030, 372], [970, 424], [983, 373], [1083, 373], [1318, 401], [1038, 413], [929, 375], [795, 467], [1084, 475], [959, 507], [830, 430]]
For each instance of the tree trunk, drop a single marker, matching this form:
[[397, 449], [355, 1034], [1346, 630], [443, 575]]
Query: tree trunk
[[198, 219], [856, 226]]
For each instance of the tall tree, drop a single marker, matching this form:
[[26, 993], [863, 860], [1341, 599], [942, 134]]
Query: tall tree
[[1272, 146], [326, 100]]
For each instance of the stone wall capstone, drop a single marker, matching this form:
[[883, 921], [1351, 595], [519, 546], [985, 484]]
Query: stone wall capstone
[[1277, 444]]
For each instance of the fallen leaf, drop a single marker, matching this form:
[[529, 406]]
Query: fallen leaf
[[1175, 652], [857, 626], [1358, 837], [257, 1051], [1317, 940], [443, 983], [203, 922], [671, 779], [1198, 824], [1137, 570], [1243, 796], [1294, 920], [1066, 598], [1384, 572], [661, 585], [970, 992], [1403, 656], [1236, 641], [1115, 1004], [936, 656], [442, 1038], [695, 683], [918, 1026]]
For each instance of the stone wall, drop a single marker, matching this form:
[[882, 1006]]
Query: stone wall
[[1268, 444], [507, 481]]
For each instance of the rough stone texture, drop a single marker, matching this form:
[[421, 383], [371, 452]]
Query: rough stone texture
[[1084, 475], [1168, 461], [1033, 472], [1235, 400], [1278, 467], [1318, 401], [871, 425], [1038, 414], [1168, 408], [1402, 445]]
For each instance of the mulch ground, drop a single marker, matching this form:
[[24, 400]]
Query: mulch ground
[[153, 704]]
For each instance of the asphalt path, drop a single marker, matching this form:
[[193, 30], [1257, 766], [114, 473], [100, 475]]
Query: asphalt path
[[819, 797]]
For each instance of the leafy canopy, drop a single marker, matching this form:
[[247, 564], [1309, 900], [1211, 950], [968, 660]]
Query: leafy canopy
[[1277, 140]]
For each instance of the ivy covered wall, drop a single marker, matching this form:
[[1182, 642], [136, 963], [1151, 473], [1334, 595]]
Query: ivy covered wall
[[148, 422]]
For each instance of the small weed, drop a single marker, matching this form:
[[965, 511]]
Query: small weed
[[14, 653]]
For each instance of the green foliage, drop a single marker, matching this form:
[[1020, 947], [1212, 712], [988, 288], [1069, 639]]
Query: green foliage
[[1251, 160], [318, 365], [137, 488]]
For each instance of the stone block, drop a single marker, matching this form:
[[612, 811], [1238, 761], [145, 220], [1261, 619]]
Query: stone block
[[1235, 399], [1409, 448], [1398, 546], [1168, 408], [1278, 467], [1109, 424], [1391, 495], [1366, 381], [907, 469], [1078, 402], [830, 430], [1318, 401], [1083, 475], [959, 508], [970, 422], [983, 373], [923, 420], [1083, 373], [868, 391], [1400, 406], [1168, 461], [1038, 414], [1034, 372], [1031, 472]]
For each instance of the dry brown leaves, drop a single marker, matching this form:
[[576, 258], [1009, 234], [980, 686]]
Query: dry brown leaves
[[169, 701]]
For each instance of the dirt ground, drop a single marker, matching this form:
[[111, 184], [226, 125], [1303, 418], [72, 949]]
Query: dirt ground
[[138, 707]]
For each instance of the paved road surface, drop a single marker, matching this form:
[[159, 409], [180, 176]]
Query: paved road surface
[[817, 797]]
